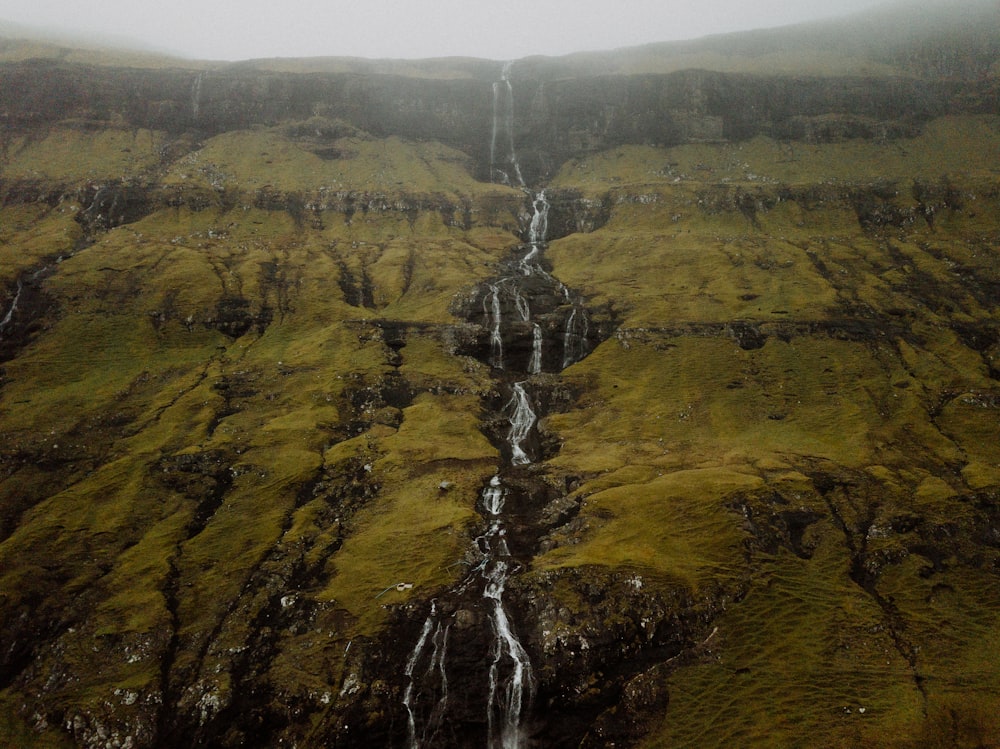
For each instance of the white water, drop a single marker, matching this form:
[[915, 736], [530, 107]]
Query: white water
[[438, 643], [503, 130], [522, 419], [575, 337], [411, 665], [539, 227], [521, 304], [493, 497], [493, 134], [537, 231], [196, 95], [510, 679], [491, 306], [437, 664], [507, 695], [13, 307], [535, 365]]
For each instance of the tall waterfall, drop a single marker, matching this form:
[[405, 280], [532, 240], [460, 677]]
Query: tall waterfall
[[503, 133], [522, 290], [196, 95]]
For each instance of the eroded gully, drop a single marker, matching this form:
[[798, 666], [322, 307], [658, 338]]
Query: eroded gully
[[469, 678]]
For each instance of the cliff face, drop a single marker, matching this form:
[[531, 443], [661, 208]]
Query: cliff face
[[556, 117], [323, 427]]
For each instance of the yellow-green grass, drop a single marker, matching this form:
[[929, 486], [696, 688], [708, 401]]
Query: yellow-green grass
[[416, 531], [669, 431], [689, 401], [661, 279], [84, 52], [259, 158], [953, 145], [73, 155], [804, 658], [675, 525], [32, 234]]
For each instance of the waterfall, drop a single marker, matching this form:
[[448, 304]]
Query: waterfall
[[535, 365], [493, 497], [493, 133], [196, 95], [434, 676], [521, 304], [491, 307], [411, 665], [522, 419], [525, 284], [436, 666], [539, 226], [503, 119], [506, 696], [537, 230], [575, 338], [12, 309]]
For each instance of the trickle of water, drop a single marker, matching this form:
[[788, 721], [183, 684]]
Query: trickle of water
[[575, 338], [522, 305], [535, 365], [436, 666], [493, 133], [196, 95], [12, 309]]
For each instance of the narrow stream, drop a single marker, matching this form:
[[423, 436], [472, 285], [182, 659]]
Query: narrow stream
[[13, 307]]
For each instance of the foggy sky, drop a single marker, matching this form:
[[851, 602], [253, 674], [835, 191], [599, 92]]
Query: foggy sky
[[500, 29]]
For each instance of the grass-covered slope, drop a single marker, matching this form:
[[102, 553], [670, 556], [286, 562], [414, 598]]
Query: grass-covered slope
[[205, 401], [801, 400], [236, 411]]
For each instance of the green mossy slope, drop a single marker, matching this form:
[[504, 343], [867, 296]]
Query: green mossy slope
[[242, 445]]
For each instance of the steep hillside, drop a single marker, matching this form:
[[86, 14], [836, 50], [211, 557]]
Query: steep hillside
[[508, 407]]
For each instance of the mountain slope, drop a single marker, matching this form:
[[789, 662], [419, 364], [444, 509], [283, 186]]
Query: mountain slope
[[321, 428]]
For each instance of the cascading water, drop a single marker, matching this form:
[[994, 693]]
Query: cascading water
[[535, 365], [503, 129], [537, 230], [508, 683], [508, 695], [521, 304], [494, 319], [433, 679], [509, 678], [575, 337], [522, 419]]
